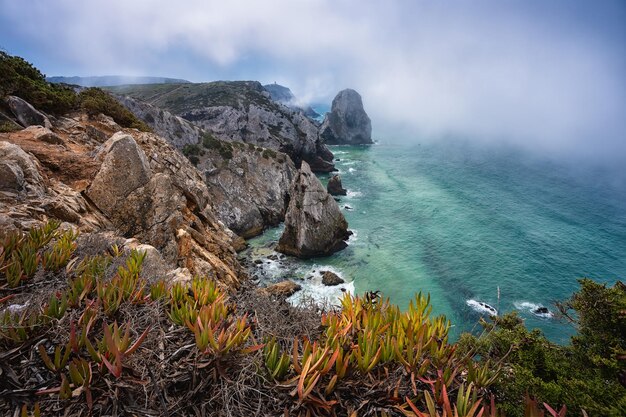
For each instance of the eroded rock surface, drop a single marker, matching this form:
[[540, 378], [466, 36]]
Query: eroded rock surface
[[314, 224], [347, 123], [335, 187]]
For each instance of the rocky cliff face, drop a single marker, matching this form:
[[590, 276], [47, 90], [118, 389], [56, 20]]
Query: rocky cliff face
[[100, 178], [248, 184], [347, 123], [240, 111], [314, 224]]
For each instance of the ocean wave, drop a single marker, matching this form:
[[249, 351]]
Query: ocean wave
[[536, 309], [482, 307], [353, 237], [323, 295], [353, 194], [351, 170]]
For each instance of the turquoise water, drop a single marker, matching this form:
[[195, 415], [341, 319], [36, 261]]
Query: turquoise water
[[458, 222]]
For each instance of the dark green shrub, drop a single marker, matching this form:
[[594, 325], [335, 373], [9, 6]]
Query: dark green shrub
[[95, 101], [20, 78]]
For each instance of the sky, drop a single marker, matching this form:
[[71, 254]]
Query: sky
[[547, 75]]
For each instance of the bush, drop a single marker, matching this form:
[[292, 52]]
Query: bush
[[585, 374], [20, 78], [95, 101]]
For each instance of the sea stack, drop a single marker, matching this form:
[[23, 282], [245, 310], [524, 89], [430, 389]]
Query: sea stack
[[314, 224], [335, 187], [347, 123]]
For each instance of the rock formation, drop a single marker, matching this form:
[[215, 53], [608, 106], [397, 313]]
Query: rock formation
[[335, 187], [329, 278], [314, 225], [132, 185], [26, 114], [347, 123], [248, 184], [241, 111]]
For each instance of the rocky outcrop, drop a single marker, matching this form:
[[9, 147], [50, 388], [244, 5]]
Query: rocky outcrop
[[249, 188], [241, 111], [329, 278], [314, 224], [249, 185], [133, 185], [335, 187], [347, 123], [26, 114], [178, 131], [282, 289]]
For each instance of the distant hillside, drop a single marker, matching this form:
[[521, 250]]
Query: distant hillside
[[283, 95], [113, 80]]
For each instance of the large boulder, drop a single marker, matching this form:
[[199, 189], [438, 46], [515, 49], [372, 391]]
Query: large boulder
[[124, 169], [314, 224], [335, 187], [26, 114], [18, 170], [347, 123]]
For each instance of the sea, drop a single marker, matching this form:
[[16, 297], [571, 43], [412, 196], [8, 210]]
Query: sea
[[476, 227]]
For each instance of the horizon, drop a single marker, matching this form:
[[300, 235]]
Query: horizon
[[547, 77]]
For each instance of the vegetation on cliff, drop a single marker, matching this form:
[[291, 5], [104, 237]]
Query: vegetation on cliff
[[93, 334], [20, 78]]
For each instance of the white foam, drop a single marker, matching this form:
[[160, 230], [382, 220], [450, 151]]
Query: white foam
[[351, 170], [353, 194], [482, 307], [353, 237], [323, 295], [531, 307]]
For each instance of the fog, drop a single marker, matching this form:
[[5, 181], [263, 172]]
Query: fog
[[549, 76]]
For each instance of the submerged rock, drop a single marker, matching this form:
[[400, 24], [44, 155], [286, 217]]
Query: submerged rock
[[314, 224], [335, 187], [347, 123]]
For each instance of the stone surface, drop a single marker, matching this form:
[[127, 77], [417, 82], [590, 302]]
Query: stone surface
[[21, 170], [314, 224], [347, 123], [335, 187], [329, 278], [45, 135], [282, 289], [124, 169], [26, 114]]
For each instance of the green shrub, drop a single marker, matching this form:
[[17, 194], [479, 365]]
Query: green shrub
[[95, 101], [585, 374], [20, 78]]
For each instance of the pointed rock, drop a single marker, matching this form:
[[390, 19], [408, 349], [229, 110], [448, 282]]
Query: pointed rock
[[26, 114], [314, 224]]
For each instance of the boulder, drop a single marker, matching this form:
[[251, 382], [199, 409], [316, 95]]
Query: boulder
[[26, 114], [314, 224], [347, 123], [335, 187], [19, 171], [124, 169], [329, 278], [282, 289], [44, 134]]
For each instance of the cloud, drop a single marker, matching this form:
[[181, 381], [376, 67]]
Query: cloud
[[546, 75]]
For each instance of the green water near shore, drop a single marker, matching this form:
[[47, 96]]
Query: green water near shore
[[460, 222]]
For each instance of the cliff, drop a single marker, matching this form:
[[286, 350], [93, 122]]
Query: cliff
[[248, 184], [241, 111], [116, 184]]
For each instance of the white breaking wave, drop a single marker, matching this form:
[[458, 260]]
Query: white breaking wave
[[532, 308], [312, 288], [353, 237], [353, 194], [482, 307], [351, 170]]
